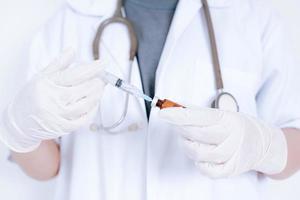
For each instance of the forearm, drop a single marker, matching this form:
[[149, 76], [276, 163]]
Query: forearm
[[42, 163], [293, 162]]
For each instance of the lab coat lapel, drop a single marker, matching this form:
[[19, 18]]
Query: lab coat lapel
[[166, 161], [184, 14]]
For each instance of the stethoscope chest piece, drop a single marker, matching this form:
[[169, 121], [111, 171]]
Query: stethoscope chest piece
[[226, 101]]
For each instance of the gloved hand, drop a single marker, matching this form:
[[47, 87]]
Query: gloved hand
[[57, 101], [224, 144]]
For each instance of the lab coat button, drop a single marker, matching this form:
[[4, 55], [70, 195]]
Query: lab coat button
[[133, 127], [94, 127]]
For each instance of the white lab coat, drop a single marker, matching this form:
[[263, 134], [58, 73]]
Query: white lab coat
[[146, 161]]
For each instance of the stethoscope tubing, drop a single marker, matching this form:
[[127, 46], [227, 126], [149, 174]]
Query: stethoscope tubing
[[118, 18]]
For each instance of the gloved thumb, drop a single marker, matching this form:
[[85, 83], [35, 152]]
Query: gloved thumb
[[191, 117], [62, 62]]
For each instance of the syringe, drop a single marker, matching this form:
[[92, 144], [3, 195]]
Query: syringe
[[123, 85], [133, 90]]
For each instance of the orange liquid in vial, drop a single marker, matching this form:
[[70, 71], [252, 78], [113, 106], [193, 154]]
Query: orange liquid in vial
[[162, 104]]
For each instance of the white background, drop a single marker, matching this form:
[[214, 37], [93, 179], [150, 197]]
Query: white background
[[19, 20]]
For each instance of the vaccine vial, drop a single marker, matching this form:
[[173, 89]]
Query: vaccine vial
[[162, 104]]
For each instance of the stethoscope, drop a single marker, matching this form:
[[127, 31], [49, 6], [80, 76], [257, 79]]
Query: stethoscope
[[223, 100]]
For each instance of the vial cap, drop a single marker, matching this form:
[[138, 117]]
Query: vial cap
[[154, 101]]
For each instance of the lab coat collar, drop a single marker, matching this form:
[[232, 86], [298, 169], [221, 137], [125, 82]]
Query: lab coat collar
[[186, 11], [94, 7], [107, 7]]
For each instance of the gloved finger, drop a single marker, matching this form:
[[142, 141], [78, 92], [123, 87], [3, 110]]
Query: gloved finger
[[74, 94], [61, 63], [43, 132], [58, 126], [70, 102], [49, 126], [81, 107], [215, 134], [83, 120], [194, 117], [80, 73], [204, 153], [213, 170]]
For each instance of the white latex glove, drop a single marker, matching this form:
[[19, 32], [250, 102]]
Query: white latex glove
[[55, 102], [224, 144]]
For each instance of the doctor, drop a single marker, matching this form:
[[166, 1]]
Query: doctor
[[192, 153]]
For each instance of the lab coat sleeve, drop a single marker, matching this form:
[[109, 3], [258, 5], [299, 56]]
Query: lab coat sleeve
[[48, 44], [279, 95], [30, 67], [44, 47]]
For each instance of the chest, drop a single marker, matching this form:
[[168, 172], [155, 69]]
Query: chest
[[185, 70]]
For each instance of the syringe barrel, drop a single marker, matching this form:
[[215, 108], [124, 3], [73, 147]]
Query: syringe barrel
[[110, 78]]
